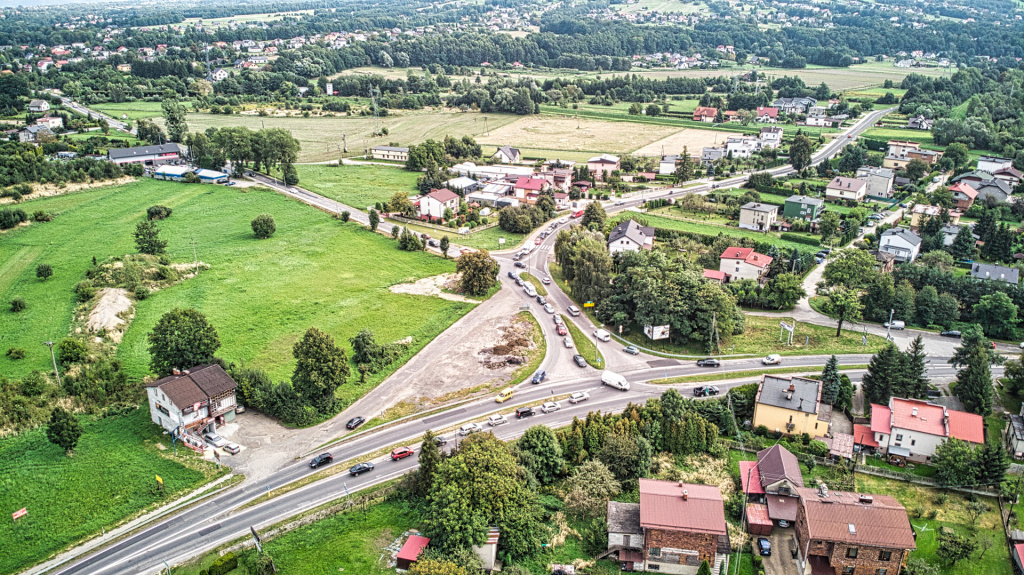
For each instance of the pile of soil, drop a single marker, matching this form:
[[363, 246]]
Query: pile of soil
[[513, 347]]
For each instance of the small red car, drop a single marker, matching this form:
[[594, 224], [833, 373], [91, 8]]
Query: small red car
[[560, 328], [401, 453]]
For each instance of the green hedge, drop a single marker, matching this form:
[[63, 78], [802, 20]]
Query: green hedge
[[224, 564], [788, 236]]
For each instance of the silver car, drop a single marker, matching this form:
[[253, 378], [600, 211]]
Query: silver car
[[215, 440]]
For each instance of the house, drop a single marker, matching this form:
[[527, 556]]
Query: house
[[705, 114], [963, 195], [794, 105], [1011, 176], [822, 121], [51, 122], [146, 155], [393, 153], [33, 132], [38, 106], [1013, 436], [731, 116], [993, 164], [921, 212], [507, 155], [842, 189], [742, 146], [773, 480], [193, 399], [987, 185], [912, 429], [410, 551], [758, 216], [949, 233], [683, 524], [667, 166], [630, 236], [995, 273], [625, 534], [839, 533], [712, 154], [466, 185], [219, 74], [791, 405], [901, 243], [433, 205], [901, 153], [600, 165], [920, 123], [743, 264], [771, 137], [716, 276], [767, 115], [803, 208], [879, 180], [525, 187]]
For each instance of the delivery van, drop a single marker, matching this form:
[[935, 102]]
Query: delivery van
[[615, 380]]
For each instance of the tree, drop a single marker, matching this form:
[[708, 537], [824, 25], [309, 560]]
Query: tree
[[972, 341], [594, 216], [830, 381], [800, 152], [705, 568], [181, 339], [540, 453], [445, 244], [71, 350], [321, 367], [843, 305], [850, 268], [914, 382], [903, 302], [882, 380], [974, 384], [64, 429], [479, 272], [374, 220], [998, 314], [589, 488], [410, 241], [947, 310], [828, 227], [953, 547], [44, 271], [916, 169], [174, 119], [991, 463], [927, 303], [400, 204], [783, 291], [957, 154], [147, 239], [954, 462], [430, 458], [263, 226]]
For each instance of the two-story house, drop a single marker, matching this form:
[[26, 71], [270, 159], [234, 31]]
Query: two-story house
[[758, 216], [986, 184], [771, 136], [625, 536], [920, 214], [996, 273], [38, 106], [683, 524], [902, 243], [392, 153], [743, 264], [603, 164], [912, 429], [704, 114], [901, 153], [508, 155], [767, 114], [842, 189], [434, 204], [529, 189], [630, 236], [963, 195], [194, 399], [797, 105], [879, 180], [667, 165], [791, 405], [772, 480], [803, 208]]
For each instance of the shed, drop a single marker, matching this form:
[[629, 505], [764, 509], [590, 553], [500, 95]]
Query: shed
[[168, 172], [410, 552], [758, 522], [211, 176], [488, 552]]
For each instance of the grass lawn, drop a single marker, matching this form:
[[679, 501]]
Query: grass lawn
[[357, 186], [486, 239], [923, 137], [109, 478], [919, 469], [134, 110], [261, 295], [714, 230], [584, 345], [114, 135], [756, 373]]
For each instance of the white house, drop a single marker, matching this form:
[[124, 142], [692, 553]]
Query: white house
[[51, 122], [433, 204], [912, 429], [993, 164], [771, 136], [743, 264], [38, 106], [507, 155], [757, 216], [630, 236], [393, 153], [712, 153], [219, 74], [667, 166], [841, 189], [742, 146], [32, 133], [879, 180], [198, 398], [901, 243], [598, 165]]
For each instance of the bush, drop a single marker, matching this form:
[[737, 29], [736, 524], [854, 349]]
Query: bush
[[263, 226], [345, 216], [800, 239], [71, 350], [16, 353], [818, 448], [44, 271], [41, 216], [141, 292], [10, 218], [166, 273], [224, 564], [84, 291], [158, 212], [18, 304]]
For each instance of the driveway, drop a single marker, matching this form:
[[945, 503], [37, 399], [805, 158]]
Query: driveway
[[781, 561]]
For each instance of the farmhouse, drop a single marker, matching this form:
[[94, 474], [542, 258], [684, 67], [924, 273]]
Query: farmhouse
[[630, 236], [33, 133], [791, 405], [712, 154], [683, 524], [393, 153], [600, 165], [433, 205], [903, 244], [219, 74], [901, 153], [803, 208], [624, 532], [38, 106], [508, 155], [920, 123], [963, 195], [51, 122], [842, 189], [911, 429], [146, 155], [743, 264], [758, 216], [196, 398], [767, 115], [879, 180], [996, 273], [704, 114]]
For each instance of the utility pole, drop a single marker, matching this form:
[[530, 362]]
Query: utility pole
[[195, 258], [888, 326], [49, 344]]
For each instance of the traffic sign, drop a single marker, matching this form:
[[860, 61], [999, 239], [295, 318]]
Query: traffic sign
[[159, 480], [588, 304], [20, 513]]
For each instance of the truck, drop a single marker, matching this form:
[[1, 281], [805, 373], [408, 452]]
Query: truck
[[612, 379]]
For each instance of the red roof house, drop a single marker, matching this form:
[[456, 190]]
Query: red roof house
[[743, 263], [705, 114], [683, 524], [912, 429], [767, 114], [715, 275], [963, 195]]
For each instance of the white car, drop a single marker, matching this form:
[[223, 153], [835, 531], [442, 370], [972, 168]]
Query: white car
[[550, 406], [498, 419], [549, 308], [567, 341], [564, 220], [560, 321], [215, 440], [602, 335], [546, 280], [578, 397], [469, 428], [773, 359]]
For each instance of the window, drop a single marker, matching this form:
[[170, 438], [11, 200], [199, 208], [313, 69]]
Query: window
[[654, 551], [881, 571], [899, 437], [913, 442], [653, 567], [884, 556], [848, 570], [851, 553]]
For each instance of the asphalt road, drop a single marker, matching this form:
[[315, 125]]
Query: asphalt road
[[93, 114]]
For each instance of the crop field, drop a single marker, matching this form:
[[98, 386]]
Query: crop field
[[264, 17], [109, 478], [924, 137], [261, 295], [133, 110], [357, 186], [570, 134], [693, 139], [663, 7]]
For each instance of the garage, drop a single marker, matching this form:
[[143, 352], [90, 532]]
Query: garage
[[758, 522]]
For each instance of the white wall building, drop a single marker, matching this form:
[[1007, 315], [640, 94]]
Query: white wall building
[[913, 429], [194, 398]]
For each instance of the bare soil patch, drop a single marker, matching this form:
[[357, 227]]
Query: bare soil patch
[[565, 133], [693, 139], [108, 315], [513, 348], [434, 286]]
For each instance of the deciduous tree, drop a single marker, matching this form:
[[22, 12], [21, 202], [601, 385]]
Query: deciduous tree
[[263, 226], [843, 305], [589, 488], [64, 430], [540, 453], [181, 339], [800, 152], [594, 216], [44, 271], [430, 458], [954, 463], [321, 367], [445, 244], [850, 268], [479, 272], [147, 238]]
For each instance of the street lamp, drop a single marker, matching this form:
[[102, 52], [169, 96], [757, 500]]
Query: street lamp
[[888, 326], [49, 344]]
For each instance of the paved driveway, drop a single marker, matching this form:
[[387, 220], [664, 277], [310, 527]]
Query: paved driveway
[[781, 561]]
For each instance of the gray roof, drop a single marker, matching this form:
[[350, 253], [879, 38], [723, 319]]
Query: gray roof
[[632, 231], [986, 187], [1017, 423], [390, 148], [671, 158], [904, 233], [797, 393], [624, 517], [509, 151], [873, 171], [807, 200], [37, 128], [118, 153], [995, 272], [759, 207]]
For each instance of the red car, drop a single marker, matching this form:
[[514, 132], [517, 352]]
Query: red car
[[537, 241], [401, 453], [560, 328]]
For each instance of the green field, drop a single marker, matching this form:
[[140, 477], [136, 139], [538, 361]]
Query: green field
[[923, 137], [486, 239], [713, 230], [134, 110], [357, 186], [261, 295], [109, 478]]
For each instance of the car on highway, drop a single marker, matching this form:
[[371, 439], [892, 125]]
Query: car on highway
[[512, 275], [215, 440], [561, 330], [504, 396], [956, 333], [579, 396], [573, 310], [564, 220], [520, 265], [469, 428], [539, 376], [361, 468], [497, 419], [440, 440], [764, 546], [549, 308], [545, 280], [567, 341], [773, 359], [631, 350], [232, 448], [355, 422], [550, 406], [542, 300], [558, 319], [401, 453], [709, 362], [322, 459], [705, 391], [580, 360], [524, 412]]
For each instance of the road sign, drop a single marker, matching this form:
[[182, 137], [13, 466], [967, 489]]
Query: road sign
[[786, 326], [159, 480], [588, 304], [20, 513], [501, 241]]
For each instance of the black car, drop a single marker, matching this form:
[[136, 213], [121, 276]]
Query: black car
[[764, 547], [355, 422], [440, 440], [705, 391], [520, 265], [950, 333], [580, 361], [322, 459], [542, 300], [361, 468], [524, 412], [709, 362], [539, 376], [933, 393]]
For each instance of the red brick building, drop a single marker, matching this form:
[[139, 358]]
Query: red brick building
[[683, 524]]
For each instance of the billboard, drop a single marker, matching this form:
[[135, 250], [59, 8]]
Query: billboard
[[656, 331]]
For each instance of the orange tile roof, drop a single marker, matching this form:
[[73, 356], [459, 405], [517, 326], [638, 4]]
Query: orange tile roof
[[966, 426]]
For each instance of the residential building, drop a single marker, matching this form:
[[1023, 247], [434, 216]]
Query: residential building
[[705, 114], [794, 105], [683, 524], [803, 208], [771, 136], [624, 533], [993, 164], [194, 399], [716, 276], [822, 121], [32, 133], [987, 185], [767, 115], [1013, 435], [146, 155], [920, 213], [667, 166], [912, 429], [630, 236], [995, 272], [51, 122], [434, 204], [508, 155], [605, 163], [743, 264], [773, 480], [393, 153], [526, 187], [845, 533], [949, 234], [902, 243], [920, 123], [791, 405], [219, 74], [712, 153], [901, 153], [38, 106], [879, 180], [1011, 176], [842, 189], [742, 146], [758, 216], [963, 195]]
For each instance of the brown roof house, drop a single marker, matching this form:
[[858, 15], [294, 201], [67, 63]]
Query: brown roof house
[[683, 524], [843, 533], [196, 398], [773, 480]]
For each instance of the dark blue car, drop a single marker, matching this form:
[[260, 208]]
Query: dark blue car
[[539, 376]]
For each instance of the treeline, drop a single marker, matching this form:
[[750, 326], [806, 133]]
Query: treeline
[[269, 148], [24, 162]]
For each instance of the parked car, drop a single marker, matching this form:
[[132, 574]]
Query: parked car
[[573, 310], [538, 241], [549, 308], [580, 360], [705, 391], [567, 341], [709, 362], [773, 359], [539, 376], [783, 523], [512, 275], [956, 333], [322, 459], [361, 468], [561, 329], [519, 281], [497, 419], [895, 325], [631, 350], [542, 300], [239, 408], [602, 335], [578, 397], [524, 412], [520, 264], [764, 546], [469, 428], [401, 453], [504, 396], [819, 260], [355, 422], [232, 448], [215, 440], [434, 243], [933, 393], [550, 406]]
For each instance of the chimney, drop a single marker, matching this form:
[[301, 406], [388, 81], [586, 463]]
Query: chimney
[[685, 495], [913, 412], [792, 387], [866, 499], [823, 490], [789, 396], [801, 408], [185, 372]]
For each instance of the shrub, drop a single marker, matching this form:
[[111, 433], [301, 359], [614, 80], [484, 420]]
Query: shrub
[[71, 350], [12, 217], [800, 239], [18, 304], [16, 353], [345, 216], [263, 226], [164, 273], [141, 292], [818, 448], [158, 212], [84, 291], [41, 216], [44, 271], [224, 564], [761, 430]]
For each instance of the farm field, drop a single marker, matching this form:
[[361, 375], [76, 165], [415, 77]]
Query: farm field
[[134, 110], [662, 7], [565, 133], [923, 137], [261, 295], [264, 17], [356, 186], [692, 139], [109, 478]]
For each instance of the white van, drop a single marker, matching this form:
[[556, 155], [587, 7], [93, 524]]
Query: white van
[[529, 289], [615, 380], [602, 335], [895, 325]]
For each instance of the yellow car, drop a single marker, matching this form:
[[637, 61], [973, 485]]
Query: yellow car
[[504, 396]]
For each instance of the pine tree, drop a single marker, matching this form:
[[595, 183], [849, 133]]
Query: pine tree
[[430, 457], [986, 226], [963, 246], [884, 369], [974, 383], [914, 383], [830, 381]]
